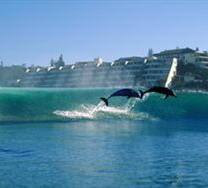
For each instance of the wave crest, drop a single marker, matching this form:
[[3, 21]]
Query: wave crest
[[100, 111]]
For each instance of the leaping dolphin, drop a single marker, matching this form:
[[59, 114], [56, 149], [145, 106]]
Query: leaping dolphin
[[159, 89], [122, 92]]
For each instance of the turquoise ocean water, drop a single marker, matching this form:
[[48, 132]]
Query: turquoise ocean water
[[68, 138]]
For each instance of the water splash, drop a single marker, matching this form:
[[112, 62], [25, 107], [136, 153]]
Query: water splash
[[100, 111]]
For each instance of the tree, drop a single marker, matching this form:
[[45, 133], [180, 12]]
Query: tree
[[60, 62], [52, 63], [150, 52]]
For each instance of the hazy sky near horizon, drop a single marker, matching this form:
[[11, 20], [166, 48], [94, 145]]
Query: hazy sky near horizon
[[34, 31]]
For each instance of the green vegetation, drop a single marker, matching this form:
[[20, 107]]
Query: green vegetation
[[190, 76]]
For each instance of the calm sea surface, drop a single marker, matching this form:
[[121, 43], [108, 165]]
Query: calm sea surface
[[105, 154]]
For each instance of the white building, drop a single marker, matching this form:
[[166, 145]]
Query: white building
[[197, 58], [186, 55]]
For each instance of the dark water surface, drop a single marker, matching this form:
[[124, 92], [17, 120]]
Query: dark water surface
[[111, 153]]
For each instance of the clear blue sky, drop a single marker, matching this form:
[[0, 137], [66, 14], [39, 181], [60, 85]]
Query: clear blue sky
[[34, 31]]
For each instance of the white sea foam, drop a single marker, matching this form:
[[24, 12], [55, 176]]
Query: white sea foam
[[101, 111], [73, 114], [193, 91]]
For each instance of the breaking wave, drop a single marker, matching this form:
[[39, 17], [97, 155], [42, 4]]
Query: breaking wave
[[32, 105]]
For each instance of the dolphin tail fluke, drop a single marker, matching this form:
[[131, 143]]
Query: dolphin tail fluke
[[104, 100], [141, 93]]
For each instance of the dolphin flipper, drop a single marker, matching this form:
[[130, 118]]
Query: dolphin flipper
[[166, 96]]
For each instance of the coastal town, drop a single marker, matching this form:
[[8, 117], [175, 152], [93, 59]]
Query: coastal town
[[180, 68]]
